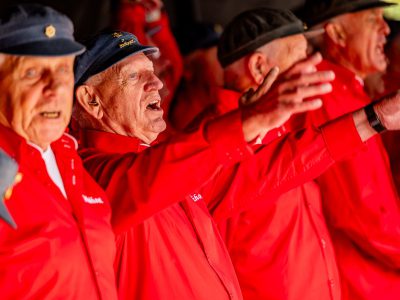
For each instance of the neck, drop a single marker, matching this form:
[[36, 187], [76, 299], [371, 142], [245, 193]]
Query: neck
[[341, 59]]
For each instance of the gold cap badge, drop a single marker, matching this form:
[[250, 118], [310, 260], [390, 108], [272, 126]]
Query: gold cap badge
[[50, 31], [117, 34]]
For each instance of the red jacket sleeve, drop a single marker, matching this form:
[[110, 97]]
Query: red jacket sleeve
[[282, 165], [140, 185]]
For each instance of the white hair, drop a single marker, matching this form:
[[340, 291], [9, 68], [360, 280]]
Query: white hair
[[79, 114]]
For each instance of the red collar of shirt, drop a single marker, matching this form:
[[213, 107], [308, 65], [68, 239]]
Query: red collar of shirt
[[17, 147], [348, 82], [11, 142], [228, 100], [111, 142], [341, 72]]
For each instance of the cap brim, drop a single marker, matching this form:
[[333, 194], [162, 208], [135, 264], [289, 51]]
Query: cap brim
[[309, 34], [122, 54], [375, 5], [349, 7], [56, 47]]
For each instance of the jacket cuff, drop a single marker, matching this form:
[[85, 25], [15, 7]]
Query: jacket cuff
[[225, 135], [342, 137]]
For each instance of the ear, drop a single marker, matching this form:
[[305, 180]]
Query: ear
[[87, 98], [257, 66], [336, 33]]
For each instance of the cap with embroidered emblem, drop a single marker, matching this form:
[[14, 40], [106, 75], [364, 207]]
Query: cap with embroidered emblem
[[106, 49], [34, 29]]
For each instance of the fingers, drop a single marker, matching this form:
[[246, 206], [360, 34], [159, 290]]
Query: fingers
[[269, 79], [252, 96], [305, 80], [246, 97], [306, 66], [295, 108], [306, 92]]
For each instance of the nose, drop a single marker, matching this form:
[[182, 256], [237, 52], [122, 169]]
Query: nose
[[385, 27], [52, 83], [154, 83]]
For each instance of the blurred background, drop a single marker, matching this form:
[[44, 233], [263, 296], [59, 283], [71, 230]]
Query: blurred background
[[89, 16]]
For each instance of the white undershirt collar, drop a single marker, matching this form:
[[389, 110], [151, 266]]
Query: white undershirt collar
[[51, 166]]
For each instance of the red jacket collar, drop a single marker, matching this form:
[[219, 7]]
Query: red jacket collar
[[12, 143], [228, 100], [341, 72], [111, 142], [16, 146]]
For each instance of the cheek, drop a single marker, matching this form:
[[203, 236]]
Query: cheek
[[22, 109]]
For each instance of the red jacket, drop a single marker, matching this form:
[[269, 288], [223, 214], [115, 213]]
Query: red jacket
[[361, 204], [63, 248], [178, 253], [168, 246], [281, 240]]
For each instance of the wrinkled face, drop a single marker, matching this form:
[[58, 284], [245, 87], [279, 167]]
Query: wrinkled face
[[131, 100], [366, 33], [36, 96]]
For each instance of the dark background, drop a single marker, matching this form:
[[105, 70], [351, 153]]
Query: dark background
[[90, 16]]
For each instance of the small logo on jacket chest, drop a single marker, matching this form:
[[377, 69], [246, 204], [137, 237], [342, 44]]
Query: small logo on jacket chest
[[92, 200], [196, 197]]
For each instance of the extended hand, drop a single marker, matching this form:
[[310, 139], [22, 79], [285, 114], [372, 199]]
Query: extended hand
[[272, 104]]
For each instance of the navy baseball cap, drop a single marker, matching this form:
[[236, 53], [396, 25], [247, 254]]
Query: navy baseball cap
[[34, 29], [106, 49], [254, 28], [314, 12]]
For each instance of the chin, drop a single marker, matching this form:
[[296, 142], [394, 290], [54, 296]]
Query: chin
[[48, 136], [159, 125]]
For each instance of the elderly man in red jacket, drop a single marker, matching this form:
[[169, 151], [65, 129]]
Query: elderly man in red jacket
[[63, 247], [285, 235], [278, 238], [168, 245], [359, 195]]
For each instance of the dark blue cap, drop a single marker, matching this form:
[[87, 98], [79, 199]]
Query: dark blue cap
[[34, 29], [106, 49]]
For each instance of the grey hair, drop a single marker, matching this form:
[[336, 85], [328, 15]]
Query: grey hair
[[79, 114]]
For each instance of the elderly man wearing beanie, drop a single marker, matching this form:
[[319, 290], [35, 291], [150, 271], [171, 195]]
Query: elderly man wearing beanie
[[63, 247], [359, 196], [169, 247]]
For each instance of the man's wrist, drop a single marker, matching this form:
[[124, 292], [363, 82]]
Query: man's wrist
[[373, 118]]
